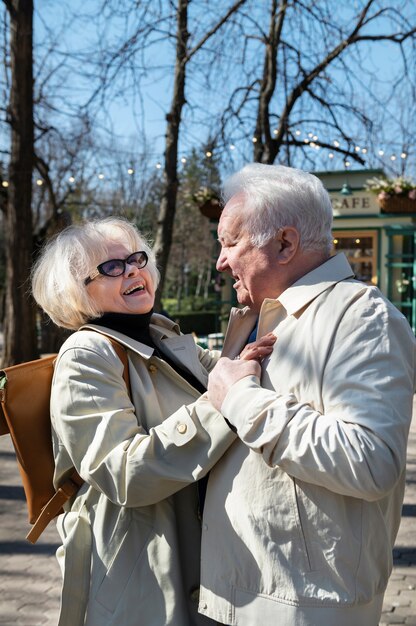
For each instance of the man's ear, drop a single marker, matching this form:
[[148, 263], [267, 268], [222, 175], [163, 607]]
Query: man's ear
[[289, 239]]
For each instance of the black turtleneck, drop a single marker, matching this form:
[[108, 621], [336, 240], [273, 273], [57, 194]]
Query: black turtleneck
[[136, 326]]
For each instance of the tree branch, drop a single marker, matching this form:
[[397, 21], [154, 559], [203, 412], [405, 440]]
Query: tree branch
[[214, 29]]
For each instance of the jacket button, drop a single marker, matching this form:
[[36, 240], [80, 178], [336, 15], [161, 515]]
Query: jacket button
[[204, 606], [182, 428], [152, 369]]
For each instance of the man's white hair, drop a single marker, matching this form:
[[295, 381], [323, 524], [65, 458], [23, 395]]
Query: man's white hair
[[276, 196]]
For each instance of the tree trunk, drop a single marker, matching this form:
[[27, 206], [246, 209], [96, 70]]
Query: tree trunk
[[19, 326], [166, 218]]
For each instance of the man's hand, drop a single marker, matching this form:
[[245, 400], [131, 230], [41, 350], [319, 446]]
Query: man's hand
[[226, 373]]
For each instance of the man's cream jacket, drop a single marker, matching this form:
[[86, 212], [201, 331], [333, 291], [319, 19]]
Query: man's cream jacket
[[302, 512]]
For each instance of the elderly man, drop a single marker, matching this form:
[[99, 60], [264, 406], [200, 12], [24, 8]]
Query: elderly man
[[302, 511]]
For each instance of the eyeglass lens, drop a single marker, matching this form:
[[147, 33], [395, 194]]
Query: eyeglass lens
[[116, 267]]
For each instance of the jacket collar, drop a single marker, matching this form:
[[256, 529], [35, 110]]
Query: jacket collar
[[168, 338], [161, 328], [294, 300], [311, 285]]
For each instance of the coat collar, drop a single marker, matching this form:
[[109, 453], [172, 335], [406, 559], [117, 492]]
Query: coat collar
[[161, 328], [168, 338], [308, 287], [294, 300]]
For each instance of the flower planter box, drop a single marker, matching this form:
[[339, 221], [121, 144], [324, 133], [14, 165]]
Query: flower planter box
[[211, 208], [397, 204]]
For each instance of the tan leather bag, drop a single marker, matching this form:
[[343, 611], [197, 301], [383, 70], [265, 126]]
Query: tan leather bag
[[24, 414]]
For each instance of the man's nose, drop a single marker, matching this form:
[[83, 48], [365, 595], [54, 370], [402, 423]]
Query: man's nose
[[221, 264]]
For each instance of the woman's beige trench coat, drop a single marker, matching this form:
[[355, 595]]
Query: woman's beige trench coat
[[131, 539]]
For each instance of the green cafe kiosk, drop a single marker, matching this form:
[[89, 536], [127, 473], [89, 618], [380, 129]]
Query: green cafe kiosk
[[380, 243]]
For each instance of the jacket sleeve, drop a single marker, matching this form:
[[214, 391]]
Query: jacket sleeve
[[208, 358], [357, 445], [95, 420]]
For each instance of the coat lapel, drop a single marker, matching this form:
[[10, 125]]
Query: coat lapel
[[166, 335], [182, 350]]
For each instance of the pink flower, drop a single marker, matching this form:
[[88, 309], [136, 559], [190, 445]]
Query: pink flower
[[383, 195], [398, 189], [412, 194]]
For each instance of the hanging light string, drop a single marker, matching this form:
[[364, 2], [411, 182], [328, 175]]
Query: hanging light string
[[311, 140]]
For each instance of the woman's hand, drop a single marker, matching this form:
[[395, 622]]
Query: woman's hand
[[227, 371], [258, 349]]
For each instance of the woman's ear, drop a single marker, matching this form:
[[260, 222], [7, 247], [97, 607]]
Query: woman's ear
[[289, 239]]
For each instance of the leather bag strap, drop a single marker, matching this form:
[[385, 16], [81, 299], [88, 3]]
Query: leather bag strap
[[51, 509], [72, 484]]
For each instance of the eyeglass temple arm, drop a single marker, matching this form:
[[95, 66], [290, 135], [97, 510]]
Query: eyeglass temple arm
[[91, 277]]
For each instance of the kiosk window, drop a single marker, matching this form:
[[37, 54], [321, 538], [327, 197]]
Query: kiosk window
[[360, 247]]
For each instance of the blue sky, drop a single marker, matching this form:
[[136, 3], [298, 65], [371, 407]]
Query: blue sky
[[142, 120]]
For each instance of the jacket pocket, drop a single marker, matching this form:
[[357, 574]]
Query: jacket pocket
[[122, 565], [331, 527]]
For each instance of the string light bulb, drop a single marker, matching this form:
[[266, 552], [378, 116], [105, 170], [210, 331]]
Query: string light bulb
[[5, 183], [39, 182], [309, 140]]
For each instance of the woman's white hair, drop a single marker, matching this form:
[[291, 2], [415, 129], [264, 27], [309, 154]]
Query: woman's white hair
[[67, 259], [276, 196]]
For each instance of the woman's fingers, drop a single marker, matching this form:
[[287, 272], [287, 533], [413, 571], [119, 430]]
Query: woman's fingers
[[258, 349]]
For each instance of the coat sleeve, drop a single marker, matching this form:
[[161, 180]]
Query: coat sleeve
[[95, 420], [357, 446], [208, 358]]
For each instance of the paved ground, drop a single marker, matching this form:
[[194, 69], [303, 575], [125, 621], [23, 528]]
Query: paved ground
[[400, 599], [30, 577]]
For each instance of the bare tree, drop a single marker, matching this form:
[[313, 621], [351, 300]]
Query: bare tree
[[193, 244], [184, 55], [19, 327], [312, 74], [156, 23]]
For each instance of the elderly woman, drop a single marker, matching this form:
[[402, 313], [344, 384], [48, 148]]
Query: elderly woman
[[131, 537]]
